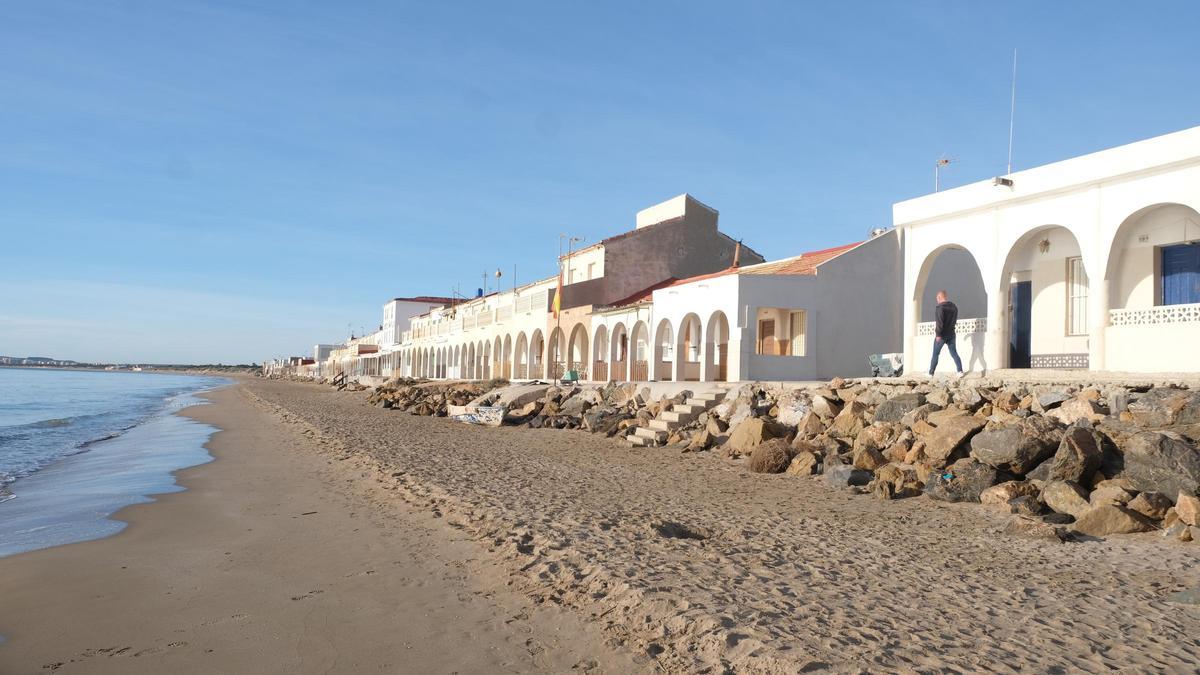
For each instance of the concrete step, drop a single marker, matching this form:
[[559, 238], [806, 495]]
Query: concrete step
[[689, 408], [639, 442], [709, 397], [677, 416], [663, 425], [652, 434]]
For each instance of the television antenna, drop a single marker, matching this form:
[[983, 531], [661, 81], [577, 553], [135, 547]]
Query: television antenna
[[941, 163]]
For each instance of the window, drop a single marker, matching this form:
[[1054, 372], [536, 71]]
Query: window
[[798, 323], [1077, 294], [1181, 274], [766, 337], [591, 270]]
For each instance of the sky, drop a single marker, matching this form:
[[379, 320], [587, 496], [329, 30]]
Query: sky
[[228, 182]]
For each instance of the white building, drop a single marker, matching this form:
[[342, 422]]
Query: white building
[[1092, 262]]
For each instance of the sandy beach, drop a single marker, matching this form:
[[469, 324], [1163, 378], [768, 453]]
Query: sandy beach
[[279, 558], [333, 536]]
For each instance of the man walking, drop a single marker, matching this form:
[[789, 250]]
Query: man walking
[[946, 315]]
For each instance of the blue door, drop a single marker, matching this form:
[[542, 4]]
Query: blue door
[[1020, 310], [1181, 274]]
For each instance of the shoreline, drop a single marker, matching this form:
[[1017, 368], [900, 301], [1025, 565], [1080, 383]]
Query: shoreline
[[273, 558]]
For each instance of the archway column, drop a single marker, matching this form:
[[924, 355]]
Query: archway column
[[995, 343], [911, 312], [1098, 320]]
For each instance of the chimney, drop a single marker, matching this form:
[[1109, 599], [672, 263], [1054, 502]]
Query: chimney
[[737, 254]]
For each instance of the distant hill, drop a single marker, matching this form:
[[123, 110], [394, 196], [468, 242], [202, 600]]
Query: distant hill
[[36, 361]]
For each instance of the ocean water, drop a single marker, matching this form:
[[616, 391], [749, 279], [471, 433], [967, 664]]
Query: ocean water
[[76, 446]]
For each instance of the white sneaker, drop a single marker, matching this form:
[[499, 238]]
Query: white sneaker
[[960, 375]]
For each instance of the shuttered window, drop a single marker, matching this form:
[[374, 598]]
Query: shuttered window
[[1181, 274]]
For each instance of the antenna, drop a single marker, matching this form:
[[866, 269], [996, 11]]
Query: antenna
[[1012, 111], [937, 169]]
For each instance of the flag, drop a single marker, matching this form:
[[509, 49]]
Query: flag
[[558, 295]]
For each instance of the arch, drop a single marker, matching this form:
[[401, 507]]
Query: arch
[[577, 351], [599, 369], [521, 357], [485, 359], [556, 356], [508, 364], [954, 269], [618, 353], [471, 362], [688, 346], [664, 350], [537, 354], [1133, 260], [716, 348], [1056, 321], [639, 352]]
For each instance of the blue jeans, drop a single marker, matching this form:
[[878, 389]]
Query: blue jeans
[[937, 350]]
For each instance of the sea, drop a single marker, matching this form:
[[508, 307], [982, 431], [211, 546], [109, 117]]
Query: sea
[[77, 446]]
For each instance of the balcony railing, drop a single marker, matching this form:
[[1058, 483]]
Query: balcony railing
[[1155, 316], [962, 327]]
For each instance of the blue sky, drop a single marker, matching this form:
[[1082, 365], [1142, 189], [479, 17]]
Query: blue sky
[[233, 181]]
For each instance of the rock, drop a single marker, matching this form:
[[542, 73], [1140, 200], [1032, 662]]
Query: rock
[[969, 398], [1179, 532], [811, 425], [1026, 505], [1079, 455], [1006, 401], [1035, 529], [1153, 505], [877, 436], [868, 458], [594, 418], [715, 425], [916, 453], [895, 408], [1050, 400], [578, 404], [1165, 406], [773, 456], [896, 452], [919, 414], [962, 481], [842, 475], [1000, 495], [1010, 449], [939, 397], [1187, 506], [850, 421], [825, 407], [897, 481], [1105, 520], [1056, 518], [1110, 495], [700, 441], [751, 433], [1161, 462], [1065, 497], [804, 464], [941, 443], [1079, 409], [792, 410], [937, 417]]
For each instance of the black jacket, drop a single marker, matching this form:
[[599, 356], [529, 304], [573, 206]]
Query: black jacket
[[947, 316]]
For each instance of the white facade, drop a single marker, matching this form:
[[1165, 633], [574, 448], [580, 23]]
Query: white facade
[[1069, 257]]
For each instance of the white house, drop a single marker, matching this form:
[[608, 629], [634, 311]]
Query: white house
[[1092, 262], [811, 316]]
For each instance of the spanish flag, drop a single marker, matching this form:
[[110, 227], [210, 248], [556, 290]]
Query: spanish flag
[[558, 295]]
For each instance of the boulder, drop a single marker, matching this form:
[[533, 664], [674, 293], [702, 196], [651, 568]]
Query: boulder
[[1165, 407], [810, 425], [1153, 505], [897, 451], [1050, 400], [1065, 497], [1077, 409], [850, 421], [751, 433], [773, 456], [877, 436], [1105, 520], [1000, 495], [919, 414], [897, 481], [894, 409], [792, 410], [962, 481], [827, 408], [1079, 455], [700, 441], [1110, 495], [842, 475], [805, 463], [1187, 507], [594, 418], [1026, 505], [1033, 528], [947, 437], [868, 458], [1161, 462], [939, 397], [1179, 532], [1010, 449]]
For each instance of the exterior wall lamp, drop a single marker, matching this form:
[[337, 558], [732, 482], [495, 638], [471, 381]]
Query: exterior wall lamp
[[1044, 245]]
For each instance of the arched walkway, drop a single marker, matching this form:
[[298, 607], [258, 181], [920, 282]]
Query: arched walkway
[[507, 361], [537, 355], [716, 348], [1046, 282], [556, 356], [577, 351], [639, 353], [619, 354], [471, 373], [951, 268], [687, 350], [599, 370], [522, 357], [664, 351]]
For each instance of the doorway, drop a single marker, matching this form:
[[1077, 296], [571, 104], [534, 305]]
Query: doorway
[[1021, 310]]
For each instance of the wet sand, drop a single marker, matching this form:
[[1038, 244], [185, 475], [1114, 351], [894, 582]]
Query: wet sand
[[278, 558]]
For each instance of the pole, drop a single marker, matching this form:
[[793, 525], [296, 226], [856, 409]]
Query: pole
[[1012, 111]]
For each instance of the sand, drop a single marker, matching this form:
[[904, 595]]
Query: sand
[[440, 547], [278, 559]]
